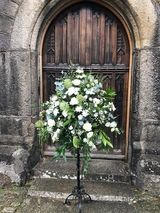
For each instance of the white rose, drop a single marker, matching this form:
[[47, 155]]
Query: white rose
[[51, 123], [78, 109], [89, 134], [87, 126], [74, 101], [76, 82]]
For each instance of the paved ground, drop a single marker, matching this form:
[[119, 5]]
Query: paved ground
[[15, 199]]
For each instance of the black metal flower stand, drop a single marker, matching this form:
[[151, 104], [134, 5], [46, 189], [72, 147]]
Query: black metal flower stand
[[78, 192]]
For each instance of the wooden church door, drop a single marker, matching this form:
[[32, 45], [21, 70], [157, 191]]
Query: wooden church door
[[91, 36]]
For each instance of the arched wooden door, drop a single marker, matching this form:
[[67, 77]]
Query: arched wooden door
[[91, 36]]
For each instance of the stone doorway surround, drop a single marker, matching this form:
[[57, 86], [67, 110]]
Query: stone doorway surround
[[20, 64]]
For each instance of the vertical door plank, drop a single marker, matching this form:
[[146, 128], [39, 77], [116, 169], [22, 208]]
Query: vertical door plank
[[69, 38], [88, 36], [76, 45], [57, 43], [114, 42], [82, 40], [107, 42], [102, 39], [64, 60], [94, 38]]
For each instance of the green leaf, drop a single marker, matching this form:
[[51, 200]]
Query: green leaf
[[105, 139], [76, 142], [66, 122], [110, 93]]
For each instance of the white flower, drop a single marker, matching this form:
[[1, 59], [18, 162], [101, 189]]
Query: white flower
[[90, 99], [55, 112], [64, 113], [71, 128], [79, 70], [72, 90], [81, 123], [51, 123], [73, 132], [89, 134], [49, 111], [78, 109], [85, 140], [87, 126], [76, 82], [54, 98], [96, 115], [56, 103], [113, 124], [80, 117], [74, 101], [96, 101], [108, 124], [85, 113]]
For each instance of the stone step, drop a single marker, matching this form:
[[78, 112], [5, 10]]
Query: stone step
[[48, 205], [99, 169], [99, 191]]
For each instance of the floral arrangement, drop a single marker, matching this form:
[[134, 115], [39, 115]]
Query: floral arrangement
[[78, 115]]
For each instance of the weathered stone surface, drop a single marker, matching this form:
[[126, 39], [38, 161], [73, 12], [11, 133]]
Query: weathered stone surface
[[4, 180], [4, 41], [6, 24], [8, 7]]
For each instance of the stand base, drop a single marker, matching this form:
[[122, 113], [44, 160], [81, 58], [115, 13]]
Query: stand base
[[78, 194]]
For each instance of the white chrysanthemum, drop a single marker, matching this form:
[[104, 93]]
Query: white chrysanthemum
[[87, 126], [78, 109], [76, 82], [55, 112], [73, 101], [72, 90], [89, 134], [64, 113], [51, 123]]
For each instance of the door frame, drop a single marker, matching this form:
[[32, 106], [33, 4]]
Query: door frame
[[62, 6]]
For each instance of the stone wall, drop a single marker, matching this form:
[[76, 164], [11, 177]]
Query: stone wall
[[21, 27]]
